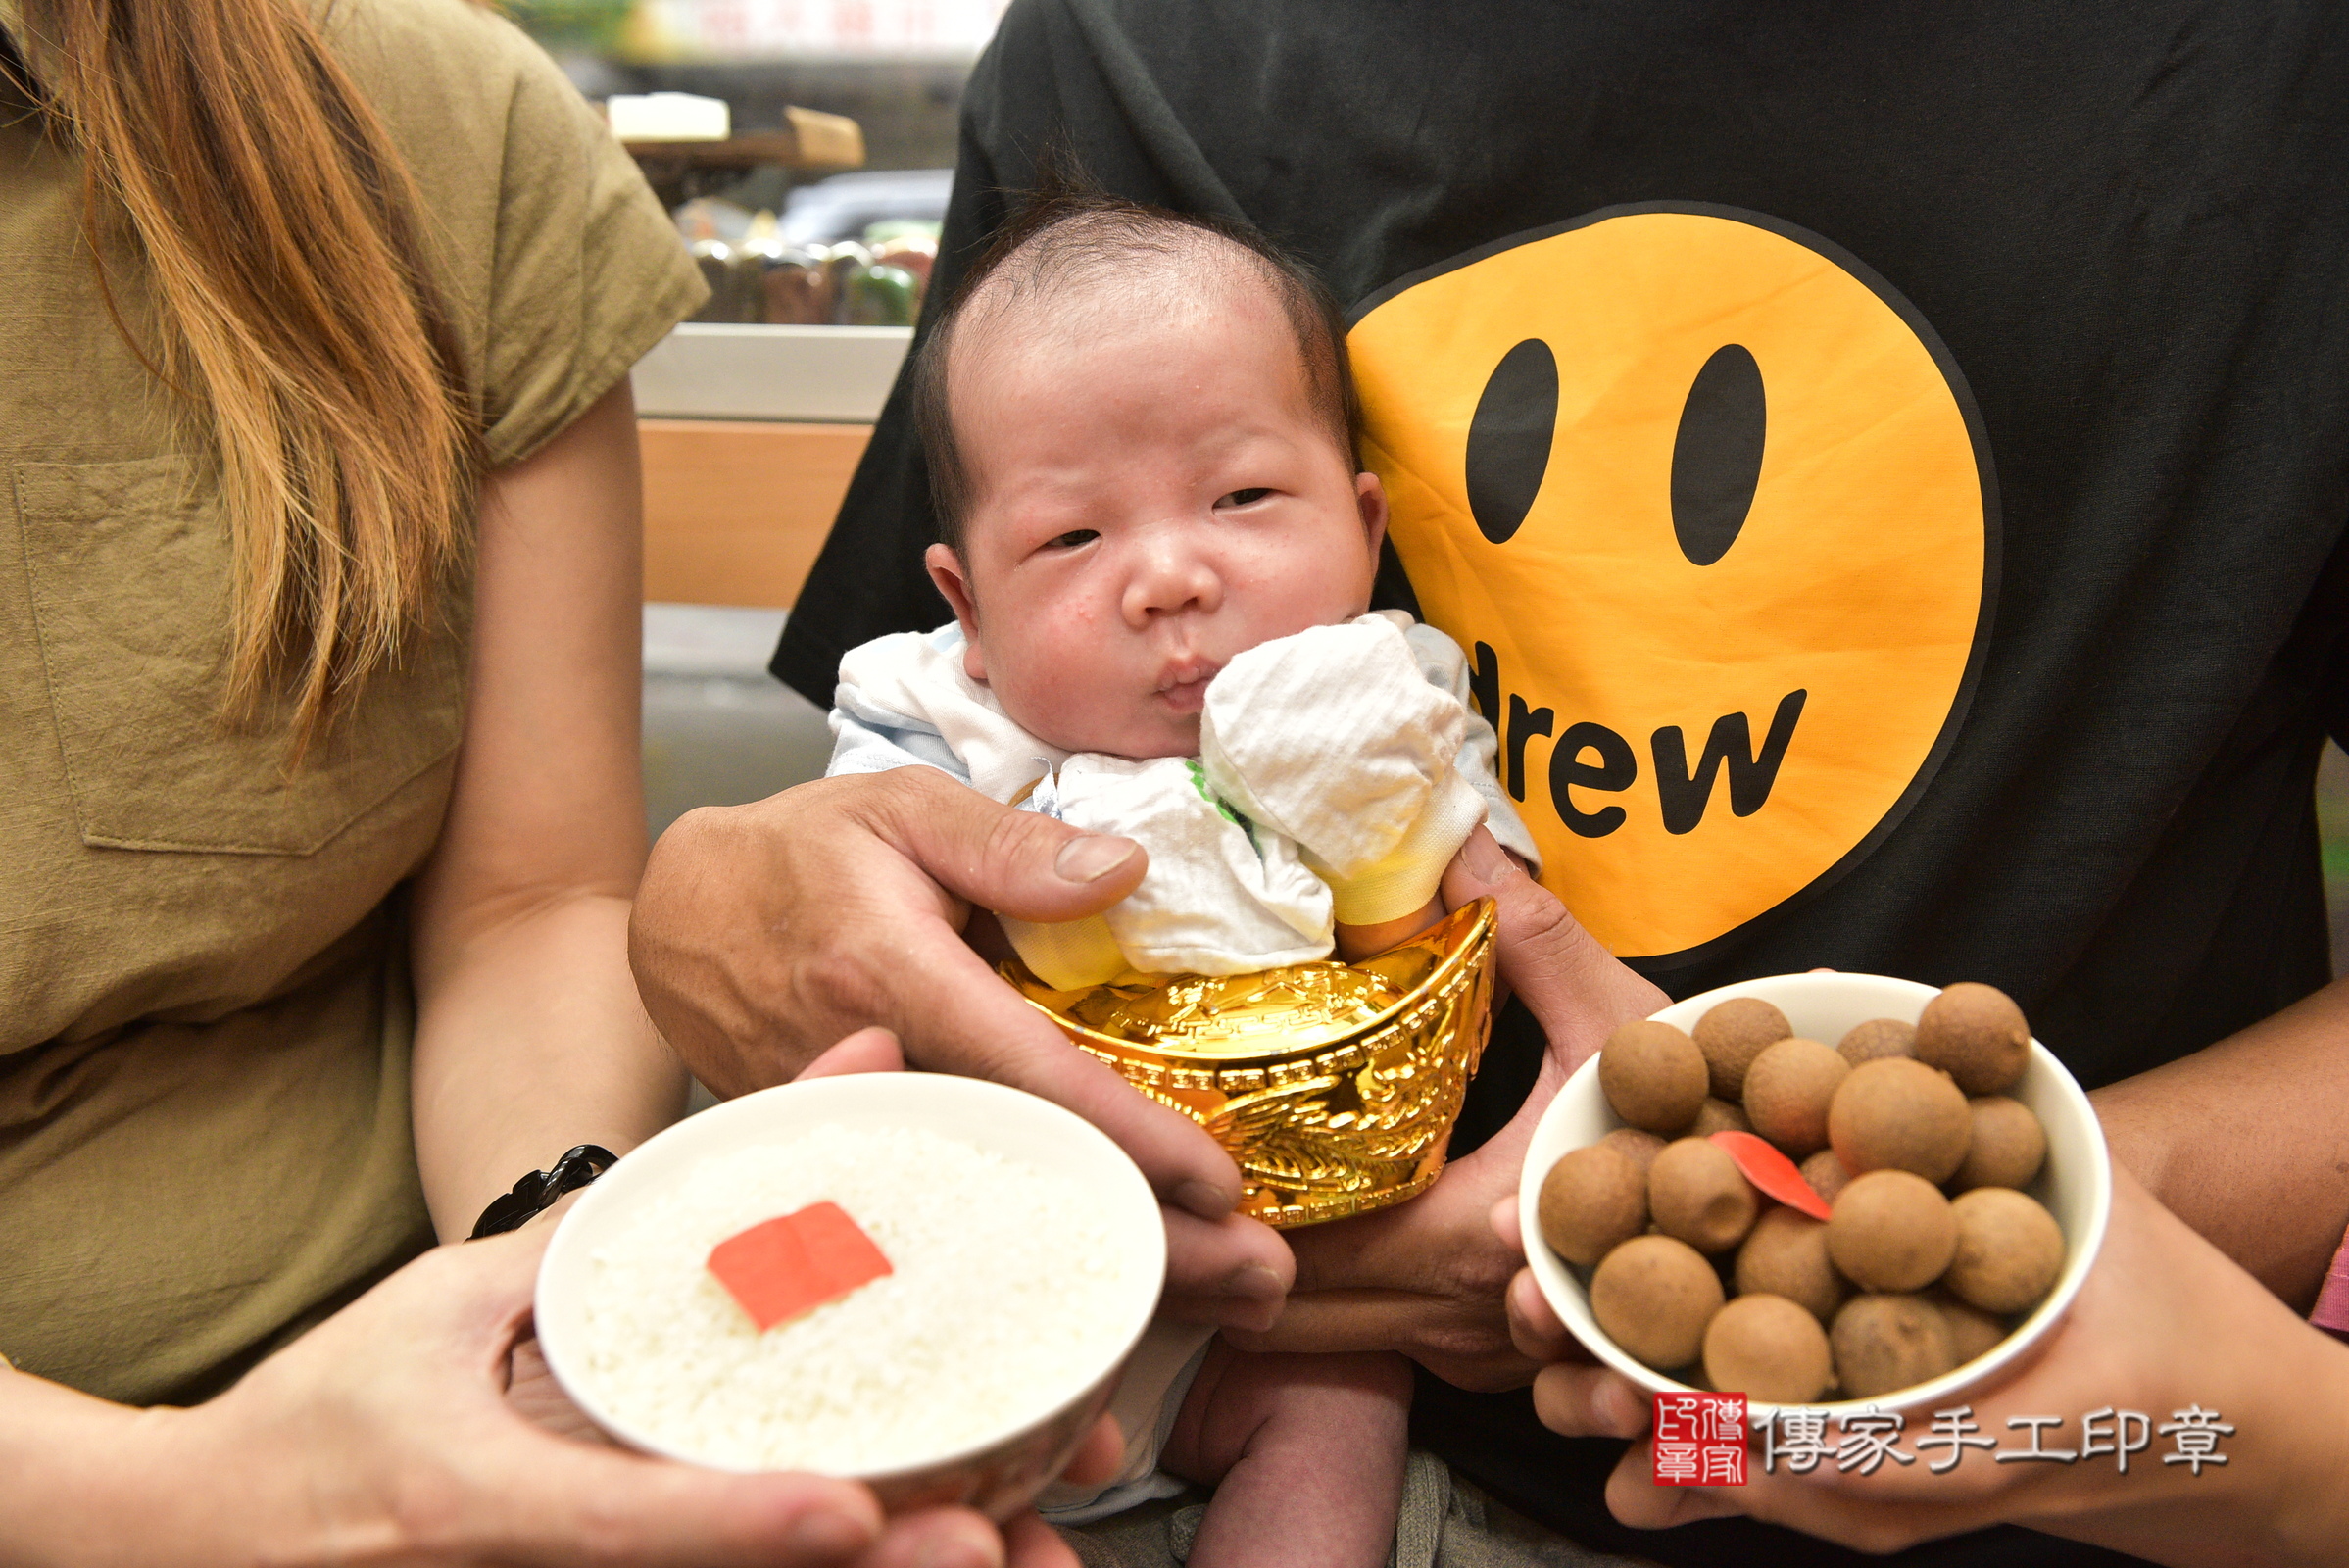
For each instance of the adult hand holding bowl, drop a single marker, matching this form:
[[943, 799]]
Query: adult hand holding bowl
[[936, 1383], [2074, 1186], [761, 933], [412, 1421], [2164, 1322]]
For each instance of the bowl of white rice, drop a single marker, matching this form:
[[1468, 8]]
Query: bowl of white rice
[[1025, 1256]]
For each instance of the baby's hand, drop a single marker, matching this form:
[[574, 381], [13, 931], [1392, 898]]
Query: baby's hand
[[1358, 942], [1333, 738]]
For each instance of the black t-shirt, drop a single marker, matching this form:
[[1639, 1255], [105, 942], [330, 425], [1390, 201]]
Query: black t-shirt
[[1887, 463]]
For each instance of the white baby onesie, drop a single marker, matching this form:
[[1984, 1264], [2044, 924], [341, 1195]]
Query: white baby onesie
[[1339, 772]]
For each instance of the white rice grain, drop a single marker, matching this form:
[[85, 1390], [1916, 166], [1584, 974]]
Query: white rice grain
[[1004, 1303]]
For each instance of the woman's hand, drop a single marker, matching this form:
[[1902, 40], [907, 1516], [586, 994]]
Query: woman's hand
[[2163, 1322], [389, 1427], [387, 1433], [764, 931], [419, 1426], [1426, 1278]]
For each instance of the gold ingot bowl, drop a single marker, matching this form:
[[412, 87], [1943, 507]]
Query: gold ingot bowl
[[1334, 1086]]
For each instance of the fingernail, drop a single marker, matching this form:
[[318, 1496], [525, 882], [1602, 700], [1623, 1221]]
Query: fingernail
[[1253, 1282], [825, 1535], [1483, 856], [1203, 1198], [953, 1551], [1092, 857], [1628, 1415]]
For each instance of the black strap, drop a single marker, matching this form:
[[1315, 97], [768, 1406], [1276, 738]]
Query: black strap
[[537, 1191]]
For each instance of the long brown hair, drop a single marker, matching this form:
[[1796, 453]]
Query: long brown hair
[[295, 318]]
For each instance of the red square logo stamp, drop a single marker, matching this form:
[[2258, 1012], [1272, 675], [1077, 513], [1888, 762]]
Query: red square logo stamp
[[1699, 1440]]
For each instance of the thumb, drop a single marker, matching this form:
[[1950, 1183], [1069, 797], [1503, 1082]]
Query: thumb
[[873, 1050], [543, 1499], [950, 1009], [1576, 989], [1020, 863], [511, 1491], [560, 1503]]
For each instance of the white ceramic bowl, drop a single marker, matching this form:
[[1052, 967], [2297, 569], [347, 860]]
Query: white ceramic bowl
[[2075, 1183], [1003, 1473]]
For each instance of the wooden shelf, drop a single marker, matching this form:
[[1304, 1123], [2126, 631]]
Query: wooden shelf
[[735, 510], [809, 140]]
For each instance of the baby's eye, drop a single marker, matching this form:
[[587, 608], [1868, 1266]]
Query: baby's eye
[[1073, 538], [1244, 498]]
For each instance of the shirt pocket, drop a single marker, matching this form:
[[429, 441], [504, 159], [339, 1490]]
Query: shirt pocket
[[129, 568]]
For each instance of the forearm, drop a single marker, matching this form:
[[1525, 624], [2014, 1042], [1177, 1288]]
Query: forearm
[[2247, 1140], [530, 1039], [81, 1482], [529, 1035], [2278, 1502]]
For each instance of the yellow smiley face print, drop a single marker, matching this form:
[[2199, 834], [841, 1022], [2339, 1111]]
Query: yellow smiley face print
[[1709, 506]]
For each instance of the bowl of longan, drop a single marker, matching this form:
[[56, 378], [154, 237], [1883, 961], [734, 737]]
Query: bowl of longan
[[1823, 1190]]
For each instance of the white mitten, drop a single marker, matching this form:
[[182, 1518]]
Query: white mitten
[[1213, 902], [1334, 737]]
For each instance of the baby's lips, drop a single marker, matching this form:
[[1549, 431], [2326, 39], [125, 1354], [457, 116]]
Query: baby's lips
[[1196, 671], [1771, 1171], [1186, 697]]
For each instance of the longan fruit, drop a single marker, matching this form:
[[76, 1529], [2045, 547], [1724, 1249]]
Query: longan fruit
[[1696, 1193], [1731, 1035], [1897, 1115], [2007, 1147], [1972, 1332], [1640, 1148], [1876, 1038], [1787, 1090], [1883, 1344], [1786, 1255], [1592, 1201], [1719, 1116], [1654, 1296], [1892, 1231], [1769, 1348], [2008, 1250], [1653, 1075], [1975, 1034], [1827, 1174]]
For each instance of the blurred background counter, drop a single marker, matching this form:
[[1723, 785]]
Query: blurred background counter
[[814, 217]]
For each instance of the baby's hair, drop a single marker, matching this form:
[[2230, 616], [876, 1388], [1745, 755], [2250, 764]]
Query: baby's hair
[[1067, 234]]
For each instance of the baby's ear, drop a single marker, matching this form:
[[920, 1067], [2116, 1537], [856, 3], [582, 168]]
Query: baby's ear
[[1370, 499], [945, 571]]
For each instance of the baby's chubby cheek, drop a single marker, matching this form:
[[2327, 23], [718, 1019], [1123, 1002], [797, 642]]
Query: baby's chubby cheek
[[1086, 694]]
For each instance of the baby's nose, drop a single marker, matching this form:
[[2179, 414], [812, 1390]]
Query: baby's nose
[[1169, 578]]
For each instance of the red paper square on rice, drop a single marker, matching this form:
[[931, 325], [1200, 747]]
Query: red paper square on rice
[[792, 1265]]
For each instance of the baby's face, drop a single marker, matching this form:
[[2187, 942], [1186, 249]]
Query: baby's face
[[1151, 498]]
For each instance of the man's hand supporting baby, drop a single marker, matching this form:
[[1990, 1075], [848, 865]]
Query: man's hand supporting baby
[[762, 933], [1426, 1278]]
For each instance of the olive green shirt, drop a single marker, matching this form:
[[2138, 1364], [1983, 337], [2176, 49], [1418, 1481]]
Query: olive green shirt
[[204, 1012]]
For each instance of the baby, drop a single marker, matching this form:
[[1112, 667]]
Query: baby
[[1160, 550]]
